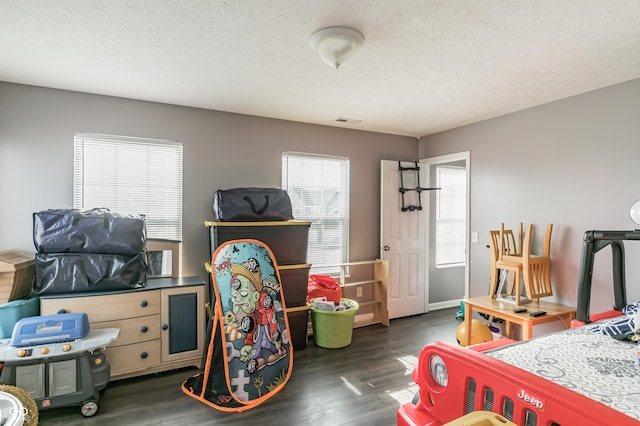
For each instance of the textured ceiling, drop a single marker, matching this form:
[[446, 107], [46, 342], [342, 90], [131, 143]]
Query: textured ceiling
[[425, 65]]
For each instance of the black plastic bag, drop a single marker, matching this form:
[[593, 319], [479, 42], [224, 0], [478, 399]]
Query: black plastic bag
[[81, 272], [251, 204], [89, 231]]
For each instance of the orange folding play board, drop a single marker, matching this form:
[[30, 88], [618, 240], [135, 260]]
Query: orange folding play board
[[249, 357]]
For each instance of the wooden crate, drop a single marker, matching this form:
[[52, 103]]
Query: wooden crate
[[17, 275]]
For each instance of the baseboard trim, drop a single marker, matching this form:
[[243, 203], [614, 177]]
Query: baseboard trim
[[444, 305]]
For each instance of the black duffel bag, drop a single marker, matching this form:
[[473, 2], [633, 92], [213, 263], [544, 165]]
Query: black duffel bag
[[89, 231], [81, 272], [251, 204]]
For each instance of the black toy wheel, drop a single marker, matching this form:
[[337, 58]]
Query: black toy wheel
[[89, 408]]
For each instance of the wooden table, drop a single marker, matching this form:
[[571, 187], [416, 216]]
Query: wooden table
[[504, 310]]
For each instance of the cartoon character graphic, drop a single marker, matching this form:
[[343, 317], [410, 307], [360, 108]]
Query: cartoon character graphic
[[255, 314], [270, 333], [231, 328]]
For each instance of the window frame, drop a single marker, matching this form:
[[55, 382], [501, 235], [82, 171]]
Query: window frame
[[318, 222], [461, 243], [157, 163]]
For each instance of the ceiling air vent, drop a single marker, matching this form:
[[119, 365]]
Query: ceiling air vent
[[348, 120]]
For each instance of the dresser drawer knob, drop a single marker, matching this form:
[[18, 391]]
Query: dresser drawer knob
[[144, 304], [165, 327], [144, 329], [61, 311], [144, 355]]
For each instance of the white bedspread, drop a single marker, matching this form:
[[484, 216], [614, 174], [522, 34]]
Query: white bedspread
[[595, 365]]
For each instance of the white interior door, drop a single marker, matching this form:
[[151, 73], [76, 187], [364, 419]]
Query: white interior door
[[403, 241]]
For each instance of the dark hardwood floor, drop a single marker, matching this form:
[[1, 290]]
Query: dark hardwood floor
[[362, 384]]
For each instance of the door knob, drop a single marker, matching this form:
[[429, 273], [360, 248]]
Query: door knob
[[386, 248]]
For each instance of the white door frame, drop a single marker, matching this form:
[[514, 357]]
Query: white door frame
[[427, 163]]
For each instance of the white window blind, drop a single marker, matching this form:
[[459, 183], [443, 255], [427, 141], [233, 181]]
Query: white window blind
[[451, 207], [131, 175], [319, 190]]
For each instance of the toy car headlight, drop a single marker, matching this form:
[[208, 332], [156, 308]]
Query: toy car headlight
[[438, 370]]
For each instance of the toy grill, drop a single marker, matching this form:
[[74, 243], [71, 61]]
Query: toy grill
[[57, 360]]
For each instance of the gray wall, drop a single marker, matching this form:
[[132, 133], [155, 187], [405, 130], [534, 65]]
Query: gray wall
[[221, 150], [573, 163]]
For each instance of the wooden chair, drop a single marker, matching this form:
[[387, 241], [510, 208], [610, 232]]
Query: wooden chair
[[509, 246], [536, 269], [500, 242]]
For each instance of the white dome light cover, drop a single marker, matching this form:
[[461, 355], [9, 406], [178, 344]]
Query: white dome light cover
[[336, 45]]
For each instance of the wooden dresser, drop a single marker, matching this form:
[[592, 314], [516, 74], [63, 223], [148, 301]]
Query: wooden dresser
[[162, 325]]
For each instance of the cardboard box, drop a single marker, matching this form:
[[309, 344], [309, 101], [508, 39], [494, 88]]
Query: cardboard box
[[17, 275]]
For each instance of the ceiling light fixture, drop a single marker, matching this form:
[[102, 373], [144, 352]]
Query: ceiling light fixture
[[336, 45]]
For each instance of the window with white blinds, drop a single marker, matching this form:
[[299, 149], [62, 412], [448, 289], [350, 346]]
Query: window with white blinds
[[451, 207], [131, 175], [319, 190]]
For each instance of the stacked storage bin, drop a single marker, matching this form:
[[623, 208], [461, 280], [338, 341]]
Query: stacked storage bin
[[288, 240], [92, 250]]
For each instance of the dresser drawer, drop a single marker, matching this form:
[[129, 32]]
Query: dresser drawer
[[138, 356], [133, 330], [106, 307]]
